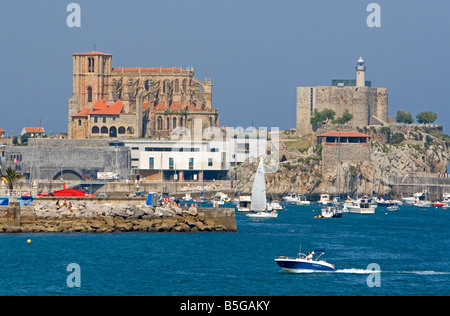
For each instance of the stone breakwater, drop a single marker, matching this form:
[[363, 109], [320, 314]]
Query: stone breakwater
[[92, 217]]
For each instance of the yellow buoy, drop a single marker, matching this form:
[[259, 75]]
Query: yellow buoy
[[29, 241]]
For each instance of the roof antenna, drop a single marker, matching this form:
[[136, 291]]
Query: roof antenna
[[94, 47]]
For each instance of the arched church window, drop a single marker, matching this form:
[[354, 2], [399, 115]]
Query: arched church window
[[95, 130], [104, 130], [89, 94], [121, 130], [177, 86], [160, 123], [181, 122], [184, 86], [167, 123], [174, 123]]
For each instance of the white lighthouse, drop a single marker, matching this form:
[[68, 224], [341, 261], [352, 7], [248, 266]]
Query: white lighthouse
[[360, 73]]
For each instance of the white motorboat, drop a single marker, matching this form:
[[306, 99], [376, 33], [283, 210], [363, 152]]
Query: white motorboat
[[187, 198], [446, 198], [274, 205], [331, 212], [423, 204], [297, 199], [361, 206], [220, 199], [393, 208], [419, 196], [244, 203], [259, 199], [263, 214], [303, 263], [324, 199]]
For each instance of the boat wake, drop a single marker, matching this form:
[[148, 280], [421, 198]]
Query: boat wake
[[364, 271]]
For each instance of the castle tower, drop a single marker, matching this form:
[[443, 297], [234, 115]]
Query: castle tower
[[360, 73]]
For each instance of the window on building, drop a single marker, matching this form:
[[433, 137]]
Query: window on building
[[151, 163], [121, 130], [174, 123], [191, 163], [104, 130], [89, 94], [184, 86], [95, 119], [210, 162], [167, 123], [160, 123], [177, 86], [79, 122], [104, 119], [91, 64], [170, 163], [95, 130]]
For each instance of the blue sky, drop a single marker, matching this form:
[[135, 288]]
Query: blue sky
[[256, 52]]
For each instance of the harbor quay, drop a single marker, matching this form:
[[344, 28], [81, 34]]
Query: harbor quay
[[112, 215]]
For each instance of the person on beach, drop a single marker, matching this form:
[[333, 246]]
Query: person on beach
[[57, 205]]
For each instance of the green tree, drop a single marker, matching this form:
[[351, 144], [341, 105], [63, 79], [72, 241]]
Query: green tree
[[404, 117], [346, 117], [11, 177], [426, 117], [24, 138], [322, 117]]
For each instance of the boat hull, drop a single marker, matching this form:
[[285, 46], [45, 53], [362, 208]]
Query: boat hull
[[297, 265], [357, 210], [262, 215]]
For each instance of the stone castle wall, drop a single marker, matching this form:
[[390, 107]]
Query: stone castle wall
[[362, 102], [352, 154]]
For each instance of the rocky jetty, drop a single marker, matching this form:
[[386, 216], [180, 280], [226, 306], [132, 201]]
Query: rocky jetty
[[83, 216]]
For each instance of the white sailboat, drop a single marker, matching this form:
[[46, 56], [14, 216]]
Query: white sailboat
[[259, 199]]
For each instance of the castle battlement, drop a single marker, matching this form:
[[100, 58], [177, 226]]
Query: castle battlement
[[368, 105]]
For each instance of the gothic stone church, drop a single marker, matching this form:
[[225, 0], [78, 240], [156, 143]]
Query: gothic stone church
[[135, 102]]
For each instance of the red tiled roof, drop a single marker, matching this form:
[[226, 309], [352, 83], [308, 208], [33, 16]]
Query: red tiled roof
[[100, 105], [82, 113], [2, 130], [93, 53], [114, 109], [34, 130], [344, 134], [102, 108]]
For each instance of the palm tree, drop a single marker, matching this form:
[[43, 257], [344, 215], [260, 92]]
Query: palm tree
[[11, 177]]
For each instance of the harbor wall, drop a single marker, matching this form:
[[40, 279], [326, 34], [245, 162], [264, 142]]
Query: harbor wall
[[114, 215]]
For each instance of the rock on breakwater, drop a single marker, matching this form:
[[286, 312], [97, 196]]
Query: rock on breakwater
[[92, 217]]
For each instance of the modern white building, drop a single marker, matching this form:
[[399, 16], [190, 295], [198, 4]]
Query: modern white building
[[194, 160]]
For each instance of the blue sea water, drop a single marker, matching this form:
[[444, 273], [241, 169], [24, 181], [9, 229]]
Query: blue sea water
[[411, 247]]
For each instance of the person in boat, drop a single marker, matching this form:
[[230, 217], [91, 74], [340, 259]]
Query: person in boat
[[310, 255]]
